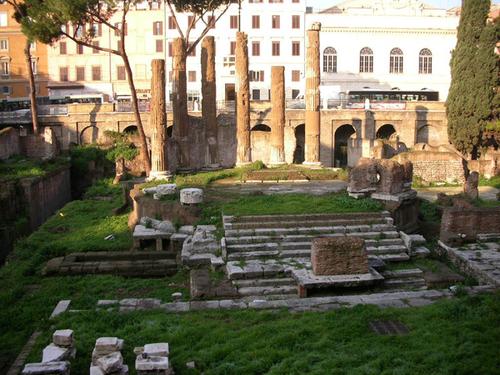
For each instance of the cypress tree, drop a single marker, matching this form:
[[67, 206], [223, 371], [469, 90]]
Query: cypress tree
[[474, 72]]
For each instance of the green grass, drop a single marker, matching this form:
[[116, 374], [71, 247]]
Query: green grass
[[458, 336], [429, 211], [18, 167], [494, 181]]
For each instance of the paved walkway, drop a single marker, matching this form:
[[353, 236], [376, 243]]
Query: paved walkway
[[430, 194]]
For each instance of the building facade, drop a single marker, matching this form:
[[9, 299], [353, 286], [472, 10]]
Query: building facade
[[14, 83]]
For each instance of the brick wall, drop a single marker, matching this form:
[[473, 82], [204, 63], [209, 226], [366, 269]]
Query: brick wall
[[468, 221], [9, 143]]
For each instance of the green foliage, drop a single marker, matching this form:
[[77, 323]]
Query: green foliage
[[81, 156], [493, 181], [430, 211], [198, 7], [18, 167], [474, 77], [122, 147]]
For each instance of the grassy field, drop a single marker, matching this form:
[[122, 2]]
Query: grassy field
[[18, 167], [458, 336]]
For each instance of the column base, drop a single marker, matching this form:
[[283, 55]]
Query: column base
[[276, 164], [211, 167], [312, 164], [242, 164], [159, 175]]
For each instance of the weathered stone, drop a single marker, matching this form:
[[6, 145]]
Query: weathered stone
[[177, 296], [61, 307], [166, 189], [160, 349], [165, 226], [339, 256], [63, 337], [179, 100], [242, 88], [151, 363], [108, 344], [50, 368], [277, 155], [471, 185], [110, 362], [312, 96], [191, 196], [54, 353]]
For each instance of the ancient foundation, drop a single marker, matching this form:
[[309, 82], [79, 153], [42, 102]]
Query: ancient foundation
[[339, 256], [312, 98], [179, 102], [277, 115], [243, 148], [209, 103], [158, 121]]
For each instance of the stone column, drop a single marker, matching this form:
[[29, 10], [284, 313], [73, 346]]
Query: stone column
[[208, 102], [242, 87], [312, 96], [158, 121], [179, 101], [277, 115]]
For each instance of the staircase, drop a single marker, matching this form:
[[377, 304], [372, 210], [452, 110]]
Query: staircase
[[261, 251]]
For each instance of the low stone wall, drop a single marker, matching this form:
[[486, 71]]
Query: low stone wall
[[459, 224], [435, 166], [40, 146], [29, 202], [9, 143]]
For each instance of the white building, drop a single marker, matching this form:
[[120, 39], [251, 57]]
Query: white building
[[385, 45], [275, 31]]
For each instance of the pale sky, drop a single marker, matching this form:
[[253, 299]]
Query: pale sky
[[446, 4]]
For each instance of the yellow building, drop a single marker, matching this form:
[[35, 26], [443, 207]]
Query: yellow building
[[14, 84]]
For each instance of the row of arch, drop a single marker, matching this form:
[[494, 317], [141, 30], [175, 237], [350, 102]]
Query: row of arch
[[396, 59]]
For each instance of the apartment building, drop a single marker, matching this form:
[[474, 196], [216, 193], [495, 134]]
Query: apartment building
[[14, 84], [275, 31]]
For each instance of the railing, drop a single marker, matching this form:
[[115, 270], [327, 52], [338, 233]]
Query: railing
[[53, 110]]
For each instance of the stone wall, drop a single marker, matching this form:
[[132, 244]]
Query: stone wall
[[9, 143], [339, 256], [29, 202], [463, 224], [435, 166]]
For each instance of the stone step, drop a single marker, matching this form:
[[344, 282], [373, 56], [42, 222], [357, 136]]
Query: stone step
[[406, 282], [304, 217], [358, 229], [266, 254], [264, 282], [384, 242], [390, 249], [305, 224], [252, 269], [401, 257], [401, 274], [267, 290], [261, 238]]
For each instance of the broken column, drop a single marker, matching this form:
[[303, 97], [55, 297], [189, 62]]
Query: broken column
[[152, 359], [158, 121], [242, 87], [179, 102], [107, 357], [208, 101], [277, 115], [312, 96]]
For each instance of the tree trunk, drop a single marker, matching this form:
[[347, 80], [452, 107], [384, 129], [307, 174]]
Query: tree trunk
[[31, 77], [133, 93]]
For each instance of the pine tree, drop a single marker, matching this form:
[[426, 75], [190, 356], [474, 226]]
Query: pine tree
[[474, 72]]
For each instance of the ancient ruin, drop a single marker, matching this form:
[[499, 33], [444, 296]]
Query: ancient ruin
[[179, 102], [107, 357], [339, 256], [242, 88], [277, 153]]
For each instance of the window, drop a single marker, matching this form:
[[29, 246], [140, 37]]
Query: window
[[295, 48], [4, 68], [96, 29], [232, 48], [192, 19], [171, 23], [95, 50], [79, 31], [62, 48], [121, 75], [233, 22], [170, 49], [3, 19], [276, 22], [275, 1], [192, 76], [256, 75], [256, 94], [255, 48], [295, 93], [158, 27], [425, 61], [6, 90], [366, 60], [330, 60], [211, 22], [159, 45], [276, 48], [80, 73], [295, 75], [79, 49], [63, 74], [34, 66], [96, 73], [295, 22], [255, 22], [4, 44], [396, 61]]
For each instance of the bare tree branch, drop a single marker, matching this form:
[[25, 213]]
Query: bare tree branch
[[175, 19]]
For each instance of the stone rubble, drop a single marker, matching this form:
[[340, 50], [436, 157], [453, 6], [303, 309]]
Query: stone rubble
[[152, 229], [161, 190], [153, 359], [50, 368], [107, 357], [202, 247], [191, 196]]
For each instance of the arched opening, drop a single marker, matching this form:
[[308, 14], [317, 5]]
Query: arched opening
[[300, 141], [342, 136], [260, 137], [131, 129], [428, 134], [89, 135], [385, 132], [170, 131]]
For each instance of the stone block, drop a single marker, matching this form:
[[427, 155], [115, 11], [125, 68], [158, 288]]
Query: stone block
[[191, 196], [108, 345], [151, 363], [63, 337], [50, 368], [110, 363], [158, 349], [339, 256], [54, 353]]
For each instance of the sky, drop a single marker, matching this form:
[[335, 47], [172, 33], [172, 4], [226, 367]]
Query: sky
[[446, 4]]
